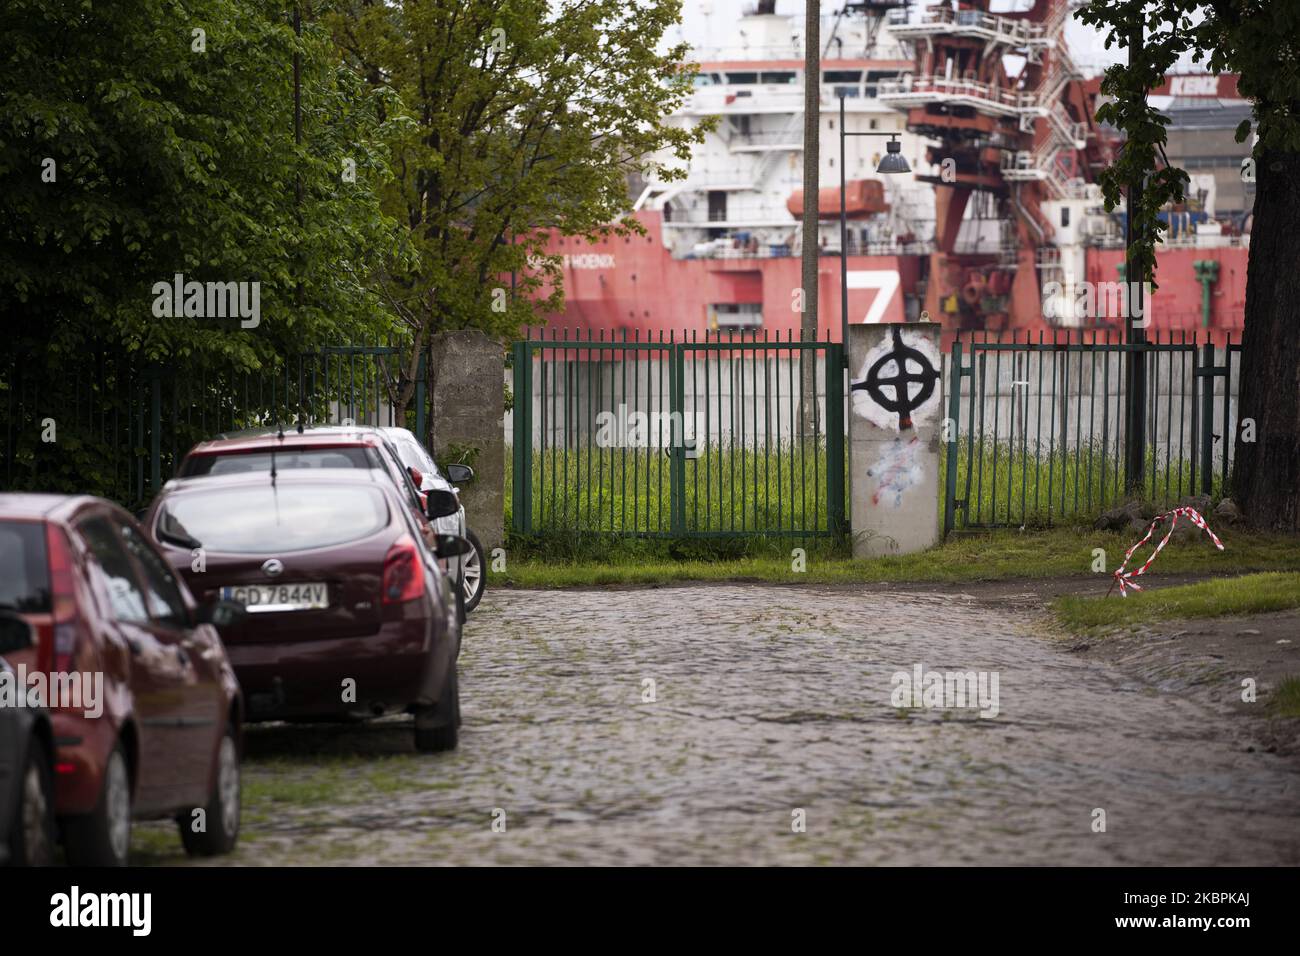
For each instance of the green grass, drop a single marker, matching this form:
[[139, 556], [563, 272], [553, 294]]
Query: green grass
[[1073, 485], [628, 490], [780, 489], [1286, 699], [1248, 594], [995, 556]]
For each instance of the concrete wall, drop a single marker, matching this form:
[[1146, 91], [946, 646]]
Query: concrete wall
[[468, 405], [894, 438], [742, 399], [750, 404]]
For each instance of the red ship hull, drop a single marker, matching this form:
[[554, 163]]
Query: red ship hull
[[634, 287]]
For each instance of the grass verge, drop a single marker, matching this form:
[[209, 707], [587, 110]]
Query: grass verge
[[1248, 594], [1286, 699], [992, 557], [782, 487]]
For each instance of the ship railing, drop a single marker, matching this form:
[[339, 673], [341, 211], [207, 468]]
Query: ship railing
[[1071, 132], [917, 87], [778, 250], [1008, 29], [768, 137], [790, 136]]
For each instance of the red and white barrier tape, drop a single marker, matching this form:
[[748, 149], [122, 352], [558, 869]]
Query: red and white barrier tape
[[1125, 578]]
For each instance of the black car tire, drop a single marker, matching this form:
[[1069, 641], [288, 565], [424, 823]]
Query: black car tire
[[32, 842], [478, 556], [437, 728], [222, 814], [103, 836]]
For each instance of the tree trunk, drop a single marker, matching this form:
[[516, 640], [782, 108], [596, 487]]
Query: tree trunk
[[1266, 471]]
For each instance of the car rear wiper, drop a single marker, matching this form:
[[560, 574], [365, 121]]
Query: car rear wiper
[[169, 530]]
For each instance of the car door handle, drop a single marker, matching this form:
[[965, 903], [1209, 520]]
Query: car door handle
[[134, 644]]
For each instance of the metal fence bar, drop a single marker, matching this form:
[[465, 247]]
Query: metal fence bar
[[742, 450], [1181, 426]]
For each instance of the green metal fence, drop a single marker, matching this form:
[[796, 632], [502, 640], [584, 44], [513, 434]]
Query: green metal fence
[[117, 426], [725, 435], [1036, 429]]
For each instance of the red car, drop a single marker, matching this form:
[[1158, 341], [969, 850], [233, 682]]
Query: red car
[[148, 713], [323, 446], [348, 615], [338, 446]]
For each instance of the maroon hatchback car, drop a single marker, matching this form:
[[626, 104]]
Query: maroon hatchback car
[[348, 615], [148, 713]]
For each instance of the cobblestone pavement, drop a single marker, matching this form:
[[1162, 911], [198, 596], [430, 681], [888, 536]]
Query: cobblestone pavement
[[770, 700]]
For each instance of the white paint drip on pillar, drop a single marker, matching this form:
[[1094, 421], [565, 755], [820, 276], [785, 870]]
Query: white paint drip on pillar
[[895, 404]]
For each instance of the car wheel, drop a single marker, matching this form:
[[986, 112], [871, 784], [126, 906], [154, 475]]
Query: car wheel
[[103, 837], [472, 577], [32, 843], [437, 728], [221, 815]]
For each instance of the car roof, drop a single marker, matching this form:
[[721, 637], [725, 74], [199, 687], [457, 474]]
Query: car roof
[[39, 506], [397, 433], [287, 477], [264, 439]]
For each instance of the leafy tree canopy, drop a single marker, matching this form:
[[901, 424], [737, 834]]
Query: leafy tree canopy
[[168, 126], [528, 116], [1257, 39]]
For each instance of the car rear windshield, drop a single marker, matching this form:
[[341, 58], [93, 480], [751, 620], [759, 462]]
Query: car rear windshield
[[24, 571], [287, 459], [272, 520], [413, 456]]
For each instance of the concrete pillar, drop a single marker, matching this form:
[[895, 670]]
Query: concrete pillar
[[468, 412], [894, 437]]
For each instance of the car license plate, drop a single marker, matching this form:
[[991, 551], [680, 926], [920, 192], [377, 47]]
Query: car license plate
[[260, 598]]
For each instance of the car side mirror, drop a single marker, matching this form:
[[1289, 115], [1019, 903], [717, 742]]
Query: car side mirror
[[440, 504], [459, 474], [15, 634], [451, 545], [222, 613]]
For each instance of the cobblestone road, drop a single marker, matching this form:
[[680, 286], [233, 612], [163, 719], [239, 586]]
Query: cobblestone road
[[771, 700]]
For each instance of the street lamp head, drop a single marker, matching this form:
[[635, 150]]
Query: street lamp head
[[893, 161]]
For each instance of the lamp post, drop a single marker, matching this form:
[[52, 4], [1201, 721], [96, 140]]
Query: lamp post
[[1135, 373], [892, 162]]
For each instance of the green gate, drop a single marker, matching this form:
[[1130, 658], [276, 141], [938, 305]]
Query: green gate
[[1035, 427], [729, 435]]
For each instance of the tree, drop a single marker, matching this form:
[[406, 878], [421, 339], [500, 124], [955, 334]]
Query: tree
[[146, 138], [528, 116], [1260, 41]]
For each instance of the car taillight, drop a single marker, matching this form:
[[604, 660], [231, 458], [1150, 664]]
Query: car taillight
[[403, 575], [63, 599]]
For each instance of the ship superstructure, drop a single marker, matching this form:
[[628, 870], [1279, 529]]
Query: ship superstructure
[[999, 212]]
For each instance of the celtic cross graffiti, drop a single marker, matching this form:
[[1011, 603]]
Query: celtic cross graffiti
[[903, 402]]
